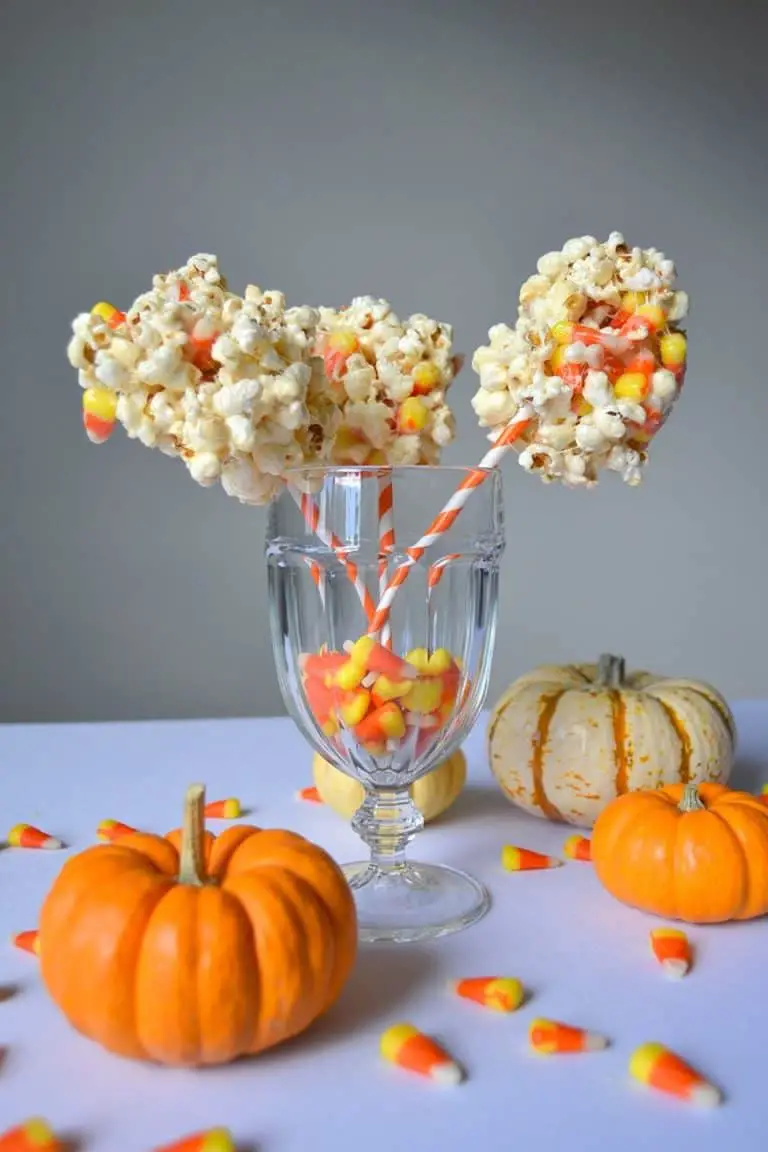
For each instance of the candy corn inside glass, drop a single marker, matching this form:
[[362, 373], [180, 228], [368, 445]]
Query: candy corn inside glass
[[385, 696]]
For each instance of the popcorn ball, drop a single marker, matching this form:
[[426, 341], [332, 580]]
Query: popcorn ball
[[219, 380], [595, 361], [383, 400]]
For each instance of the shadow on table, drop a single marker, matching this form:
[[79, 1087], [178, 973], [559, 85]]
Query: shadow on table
[[749, 773], [384, 978], [477, 802]]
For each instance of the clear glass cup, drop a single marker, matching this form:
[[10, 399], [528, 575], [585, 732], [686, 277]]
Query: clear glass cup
[[383, 719]]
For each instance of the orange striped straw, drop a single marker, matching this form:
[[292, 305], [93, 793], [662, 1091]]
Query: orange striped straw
[[446, 518], [386, 540], [311, 514]]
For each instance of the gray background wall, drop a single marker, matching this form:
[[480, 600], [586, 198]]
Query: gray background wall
[[427, 152]]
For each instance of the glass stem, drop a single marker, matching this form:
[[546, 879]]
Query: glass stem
[[387, 820]]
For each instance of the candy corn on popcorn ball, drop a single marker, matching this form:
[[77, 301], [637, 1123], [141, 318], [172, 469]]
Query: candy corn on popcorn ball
[[386, 384], [383, 699], [219, 380], [596, 359]]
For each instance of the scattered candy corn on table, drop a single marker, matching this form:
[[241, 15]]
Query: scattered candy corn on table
[[582, 959]]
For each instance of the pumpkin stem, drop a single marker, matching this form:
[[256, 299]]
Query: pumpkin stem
[[690, 801], [191, 856], [610, 671]]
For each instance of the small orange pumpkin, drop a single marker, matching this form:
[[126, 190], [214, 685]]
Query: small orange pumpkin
[[192, 949], [685, 852]]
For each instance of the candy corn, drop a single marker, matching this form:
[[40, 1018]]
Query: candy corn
[[376, 658], [27, 836], [671, 948], [228, 809], [212, 1140], [524, 860], [412, 415], [110, 830], [28, 941], [548, 1037], [656, 1067], [33, 1135], [578, 848], [99, 413], [425, 377], [499, 993], [310, 794], [339, 346], [113, 316], [382, 724], [406, 1046]]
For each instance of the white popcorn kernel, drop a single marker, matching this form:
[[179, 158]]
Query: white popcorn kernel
[[679, 308], [533, 287], [243, 480], [557, 435], [493, 407], [493, 377], [109, 372], [537, 457], [609, 423], [632, 413], [641, 281], [663, 385], [359, 382], [576, 353], [575, 249], [241, 433], [589, 437], [205, 468], [551, 264], [236, 398]]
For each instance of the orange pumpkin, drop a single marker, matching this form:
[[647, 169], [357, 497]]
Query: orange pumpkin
[[192, 949], [685, 852]]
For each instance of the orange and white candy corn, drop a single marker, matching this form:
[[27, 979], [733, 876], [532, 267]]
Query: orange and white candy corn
[[549, 1037], [374, 657], [99, 414], [110, 830], [27, 836], [228, 809], [34, 1135], [211, 1140], [516, 859], [499, 993], [309, 794], [671, 948], [337, 349], [28, 941], [382, 724], [656, 1067], [406, 1046], [578, 848]]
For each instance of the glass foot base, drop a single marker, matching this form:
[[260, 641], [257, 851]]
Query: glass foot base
[[414, 901]]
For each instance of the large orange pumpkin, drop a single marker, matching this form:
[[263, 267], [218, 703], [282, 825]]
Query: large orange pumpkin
[[685, 852], [193, 949]]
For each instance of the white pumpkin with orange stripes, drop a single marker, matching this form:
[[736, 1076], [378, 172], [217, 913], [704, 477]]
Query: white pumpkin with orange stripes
[[563, 741]]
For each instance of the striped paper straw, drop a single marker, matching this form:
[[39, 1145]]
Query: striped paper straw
[[311, 514], [386, 541], [446, 518]]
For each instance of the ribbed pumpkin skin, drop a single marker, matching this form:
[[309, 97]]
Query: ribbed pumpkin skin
[[432, 794], [704, 866], [562, 746], [158, 970]]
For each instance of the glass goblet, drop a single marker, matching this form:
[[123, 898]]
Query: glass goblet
[[386, 708]]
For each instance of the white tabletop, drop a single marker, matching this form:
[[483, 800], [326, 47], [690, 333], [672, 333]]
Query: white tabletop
[[584, 957]]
